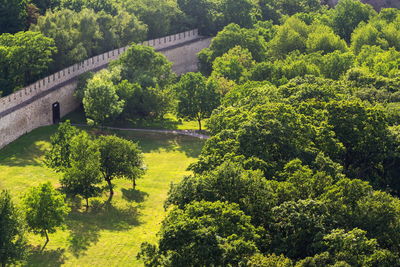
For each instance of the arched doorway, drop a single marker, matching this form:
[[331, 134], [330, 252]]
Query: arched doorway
[[56, 112]]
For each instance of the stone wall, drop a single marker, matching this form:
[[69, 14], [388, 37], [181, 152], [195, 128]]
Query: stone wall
[[31, 107]]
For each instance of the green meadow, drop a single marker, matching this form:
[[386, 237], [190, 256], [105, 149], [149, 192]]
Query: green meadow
[[102, 236]]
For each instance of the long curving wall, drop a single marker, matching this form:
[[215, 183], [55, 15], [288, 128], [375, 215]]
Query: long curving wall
[[32, 106]]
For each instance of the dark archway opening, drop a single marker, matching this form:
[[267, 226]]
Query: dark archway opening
[[56, 112]]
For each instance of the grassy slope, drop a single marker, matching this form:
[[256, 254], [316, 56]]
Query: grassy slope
[[110, 237]]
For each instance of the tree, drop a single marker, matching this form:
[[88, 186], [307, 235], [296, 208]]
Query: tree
[[228, 182], [27, 56], [83, 177], [12, 240], [271, 260], [197, 99], [161, 16], [210, 16], [231, 36], [143, 102], [45, 210], [354, 248], [290, 36], [143, 81], [348, 14], [120, 158], [12, 15], [143, 65], [84, 34], [203, 234], [291, 7], [58, 157], [355, 125], [43, 5], [336, 64], [242, 12], [235, 65], [100, 101], [108, 6], [297, 226], [322, 38]]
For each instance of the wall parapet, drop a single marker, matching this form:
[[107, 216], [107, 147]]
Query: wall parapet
[[93, 63]]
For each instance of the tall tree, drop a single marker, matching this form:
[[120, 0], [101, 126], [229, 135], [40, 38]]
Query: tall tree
[[83, 34], [235, 65], [45, 210], [83, 177], [12, 240], [204, 234], [58, 157], [143, 65], [43, 5], [144, 79], [161, 16], [231, 36], [100, 101], [27, 55], [197, 98], [348, 14], [120, 158], [13, 15]]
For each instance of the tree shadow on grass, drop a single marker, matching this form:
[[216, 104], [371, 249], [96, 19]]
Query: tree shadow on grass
[[82, 236], [134, 195], [85, 226], [25, 151], [45, 258]]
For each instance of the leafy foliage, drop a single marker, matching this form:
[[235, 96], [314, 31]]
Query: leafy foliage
[[12, 227], [45, 210], [197, 98], [83, 177], [59, 156], [100, 101], [203, 233], [119, 158], [24, 57]]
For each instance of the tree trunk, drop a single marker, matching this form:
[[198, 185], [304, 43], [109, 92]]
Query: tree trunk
[[134, 183], [3, 264], [111, 191], [199, 120], [87, 204], [47, 240]]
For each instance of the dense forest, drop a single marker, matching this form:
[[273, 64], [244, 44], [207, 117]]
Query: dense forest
[[303, 164]]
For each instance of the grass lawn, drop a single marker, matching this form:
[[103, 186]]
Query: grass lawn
[[170, 122], [104, 237]]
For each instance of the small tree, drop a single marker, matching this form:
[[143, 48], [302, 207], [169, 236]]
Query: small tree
[[83, 176], [12, 241], [197, 99], [58, 157], [45, 210], [100, 100], [120, 158]]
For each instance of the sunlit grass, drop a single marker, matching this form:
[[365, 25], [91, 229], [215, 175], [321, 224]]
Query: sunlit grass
[[107, 237]]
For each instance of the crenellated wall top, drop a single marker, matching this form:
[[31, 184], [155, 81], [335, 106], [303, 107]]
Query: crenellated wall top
[[94, 63]]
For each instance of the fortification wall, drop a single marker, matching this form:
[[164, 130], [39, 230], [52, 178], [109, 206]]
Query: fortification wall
[[37, 114], [185, 57], [90, 64], [31, 107]]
